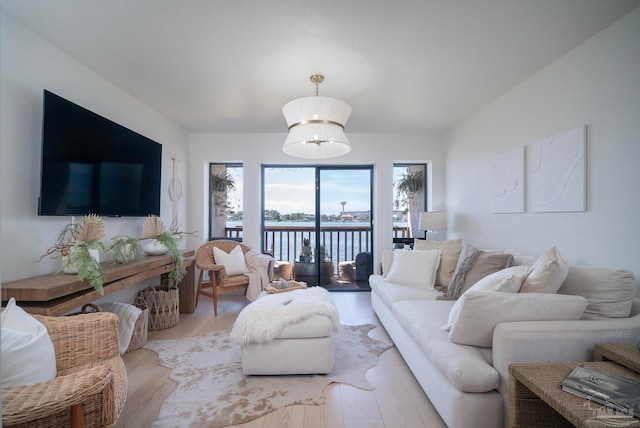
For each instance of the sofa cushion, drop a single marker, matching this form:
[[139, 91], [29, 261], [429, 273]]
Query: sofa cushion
[[507, 280], [387, 258], [468, 368], [450, 253], [390, 292], [547, 273], [481, 311], [610, 292], [414, 268], [486, 263], [473, 265]]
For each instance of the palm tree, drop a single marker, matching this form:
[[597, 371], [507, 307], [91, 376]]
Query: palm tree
[[409, 192], [221, 183]]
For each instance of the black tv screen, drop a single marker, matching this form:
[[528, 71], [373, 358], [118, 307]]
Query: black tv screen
[[93, 165]]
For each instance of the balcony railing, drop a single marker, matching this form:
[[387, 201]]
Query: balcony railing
[[342, 242]]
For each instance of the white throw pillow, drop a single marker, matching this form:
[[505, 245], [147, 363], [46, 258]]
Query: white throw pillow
[[414, 268], [233, 261], [507, 280], [448, 260], [387, 258], [481, 311], [547, 273], [27, 352]]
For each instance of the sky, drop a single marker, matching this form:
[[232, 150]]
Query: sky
[[291, 190]]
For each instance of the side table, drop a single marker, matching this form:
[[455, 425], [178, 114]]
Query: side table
[[536, 399], [624, 353]]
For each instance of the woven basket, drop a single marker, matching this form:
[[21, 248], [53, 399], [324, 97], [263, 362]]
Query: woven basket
[[164, 307], [89, 308], [140, 330]]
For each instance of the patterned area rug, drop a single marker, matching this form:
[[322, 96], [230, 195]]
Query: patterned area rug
[[213, 392]]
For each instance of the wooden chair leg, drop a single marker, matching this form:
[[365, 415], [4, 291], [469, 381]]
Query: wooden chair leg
[[215, 300], [77, 420], [199, 285]]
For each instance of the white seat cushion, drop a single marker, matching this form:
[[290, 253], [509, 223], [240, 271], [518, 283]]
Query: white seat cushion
[[468, 368], [390, 292]]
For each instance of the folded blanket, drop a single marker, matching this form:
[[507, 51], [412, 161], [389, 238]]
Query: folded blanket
[[127, 317], [260, 272], [264, 319]]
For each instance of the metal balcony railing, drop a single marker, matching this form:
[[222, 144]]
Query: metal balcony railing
[[341, 242]]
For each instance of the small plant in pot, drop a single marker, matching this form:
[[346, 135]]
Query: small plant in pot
[[163, 241], [125, 249], [78, 246]]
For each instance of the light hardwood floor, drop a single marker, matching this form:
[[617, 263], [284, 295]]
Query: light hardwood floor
[[397, 401]]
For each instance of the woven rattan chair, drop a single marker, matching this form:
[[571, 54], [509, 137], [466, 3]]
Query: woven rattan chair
[[90, 387], [219, 281]]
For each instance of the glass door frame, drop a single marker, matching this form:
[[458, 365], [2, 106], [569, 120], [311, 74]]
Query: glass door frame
[[318, 168]]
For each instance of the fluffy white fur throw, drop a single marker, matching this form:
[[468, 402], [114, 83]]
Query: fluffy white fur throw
[[265, 318], [260, 267]]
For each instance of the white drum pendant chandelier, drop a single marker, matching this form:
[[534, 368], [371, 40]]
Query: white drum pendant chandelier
[[316, 126]]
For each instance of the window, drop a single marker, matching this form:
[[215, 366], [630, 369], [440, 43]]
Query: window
[[409, 198], [225, 200]]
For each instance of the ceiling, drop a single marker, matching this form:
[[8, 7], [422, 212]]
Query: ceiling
[[229, 66]]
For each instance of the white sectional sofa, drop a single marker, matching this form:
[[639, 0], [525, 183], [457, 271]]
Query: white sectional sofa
[[468, 383]]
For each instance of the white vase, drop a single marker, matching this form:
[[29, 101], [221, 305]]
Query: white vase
[[125, 254], [155, 248], [70, 268]]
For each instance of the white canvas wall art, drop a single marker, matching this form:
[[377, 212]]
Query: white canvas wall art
[[558, 172], [507, 182]]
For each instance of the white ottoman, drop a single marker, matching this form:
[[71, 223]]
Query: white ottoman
[[301, 347]]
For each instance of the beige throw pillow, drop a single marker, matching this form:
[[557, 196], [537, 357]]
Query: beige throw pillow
[[547, 273], [467, 258], [450, 253], [485, 264]]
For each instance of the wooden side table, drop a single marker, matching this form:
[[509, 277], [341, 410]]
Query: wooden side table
[[624, 353], [536, 399]]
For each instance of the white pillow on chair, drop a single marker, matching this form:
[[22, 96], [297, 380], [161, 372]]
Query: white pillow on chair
[[27, 352], [233, 261]]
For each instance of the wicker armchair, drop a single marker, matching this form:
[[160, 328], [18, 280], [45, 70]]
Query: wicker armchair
[[219, 281], [90, 387]]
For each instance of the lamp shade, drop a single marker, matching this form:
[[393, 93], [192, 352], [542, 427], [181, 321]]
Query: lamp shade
[[432, 220], [316, 127]]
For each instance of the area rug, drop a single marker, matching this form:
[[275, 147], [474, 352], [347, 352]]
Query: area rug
[[213, 392]]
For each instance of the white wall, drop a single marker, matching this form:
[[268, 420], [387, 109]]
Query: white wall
[[254, 150], [29, 65], [597, 84]]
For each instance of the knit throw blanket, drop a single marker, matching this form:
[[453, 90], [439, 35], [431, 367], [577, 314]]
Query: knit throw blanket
[[264, 319], [260, 267]]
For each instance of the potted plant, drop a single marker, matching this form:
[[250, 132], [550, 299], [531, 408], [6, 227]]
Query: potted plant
[[78, 246], [163, 241], [125, 249]]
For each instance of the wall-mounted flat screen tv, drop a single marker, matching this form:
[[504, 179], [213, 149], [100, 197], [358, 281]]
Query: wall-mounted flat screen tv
[[93, 165]]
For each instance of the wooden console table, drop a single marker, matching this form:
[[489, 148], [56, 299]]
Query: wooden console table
[[57, 294]]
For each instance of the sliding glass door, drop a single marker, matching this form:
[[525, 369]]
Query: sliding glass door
[[317, 222]]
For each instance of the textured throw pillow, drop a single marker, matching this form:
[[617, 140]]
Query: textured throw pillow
[[547, 273], [233, 261], [27, 352], [481, 311], [467, 258], [507, 280], [414, 268], [449, 259], [485, 264]]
